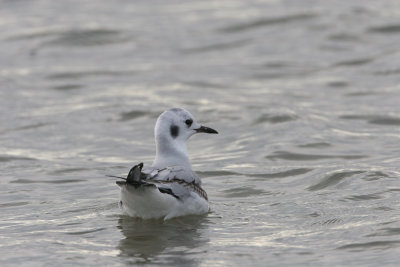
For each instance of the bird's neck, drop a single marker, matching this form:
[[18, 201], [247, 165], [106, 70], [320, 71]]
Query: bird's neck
[[170, 152]]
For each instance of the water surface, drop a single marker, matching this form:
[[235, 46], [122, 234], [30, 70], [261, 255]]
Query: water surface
[[305, 96]]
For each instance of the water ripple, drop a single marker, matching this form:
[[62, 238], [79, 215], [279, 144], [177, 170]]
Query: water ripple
[[301, 157], [13, 204], [354, 62], [333, 179], [131, 115], [344, 37], [385, 29], [265, 22], [275, 118], [64, 181], [282, 174], [327, 222], [243, 192], [315, 145], [86, 231], [5, 158], [338, 84], [85, 37], [217, 46], [365, 197], [386, 232], [68, 170], [374, 245], [216, 173], [68, 87], [374, 119], [88, 73], [376, 175]]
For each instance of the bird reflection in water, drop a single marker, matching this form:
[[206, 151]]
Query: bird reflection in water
[[176, 242]]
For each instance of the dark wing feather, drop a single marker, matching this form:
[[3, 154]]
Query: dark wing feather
[[168, 191]]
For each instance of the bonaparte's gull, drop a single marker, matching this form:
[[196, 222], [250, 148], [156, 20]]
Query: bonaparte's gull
[[169, 188]]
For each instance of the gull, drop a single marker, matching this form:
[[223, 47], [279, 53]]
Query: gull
[[169, 188]]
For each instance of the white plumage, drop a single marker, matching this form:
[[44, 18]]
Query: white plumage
[[169, 188]]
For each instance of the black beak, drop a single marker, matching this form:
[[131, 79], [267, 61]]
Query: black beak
[[204, 129]]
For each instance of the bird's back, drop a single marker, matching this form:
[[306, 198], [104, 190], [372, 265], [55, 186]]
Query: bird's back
[[162, 193]]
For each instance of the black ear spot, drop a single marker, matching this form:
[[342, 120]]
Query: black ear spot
[[174, 131]]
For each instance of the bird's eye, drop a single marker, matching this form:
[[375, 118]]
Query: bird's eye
[[189, 122]]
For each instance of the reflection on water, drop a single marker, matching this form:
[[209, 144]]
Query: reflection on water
[[145, 240]]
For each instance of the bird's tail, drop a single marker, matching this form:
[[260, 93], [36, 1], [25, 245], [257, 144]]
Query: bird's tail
[[134, 175]]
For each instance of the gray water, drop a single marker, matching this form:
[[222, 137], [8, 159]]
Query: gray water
[[305, 96]]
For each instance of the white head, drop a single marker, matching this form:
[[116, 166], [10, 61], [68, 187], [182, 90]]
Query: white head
[[173, 128]]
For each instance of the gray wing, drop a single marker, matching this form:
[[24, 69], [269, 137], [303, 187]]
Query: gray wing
[[175, 181], [171, 173]]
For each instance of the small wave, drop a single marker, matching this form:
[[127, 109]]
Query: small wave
[[87, 73], [26, 127], [315, 145], [276, 118], [386, 232], [13, 204], [374, 119], [375, 176], [304, 157], [216, 173], [5, 158], [68, 87], [386, 121], [68, 170], [394, 71], [344, 37], [373, 244], [365, 197], [203, 84], [86, 232], [217, 47], [354, 62], [384, 208], [134, 114], [282, 174], [27, 181], [332, 179], [361, 93], [328, 222], [243, 192], [71, 223], [338, 84], [285, 73], [84, 37], [385, 29], [265, 22]]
